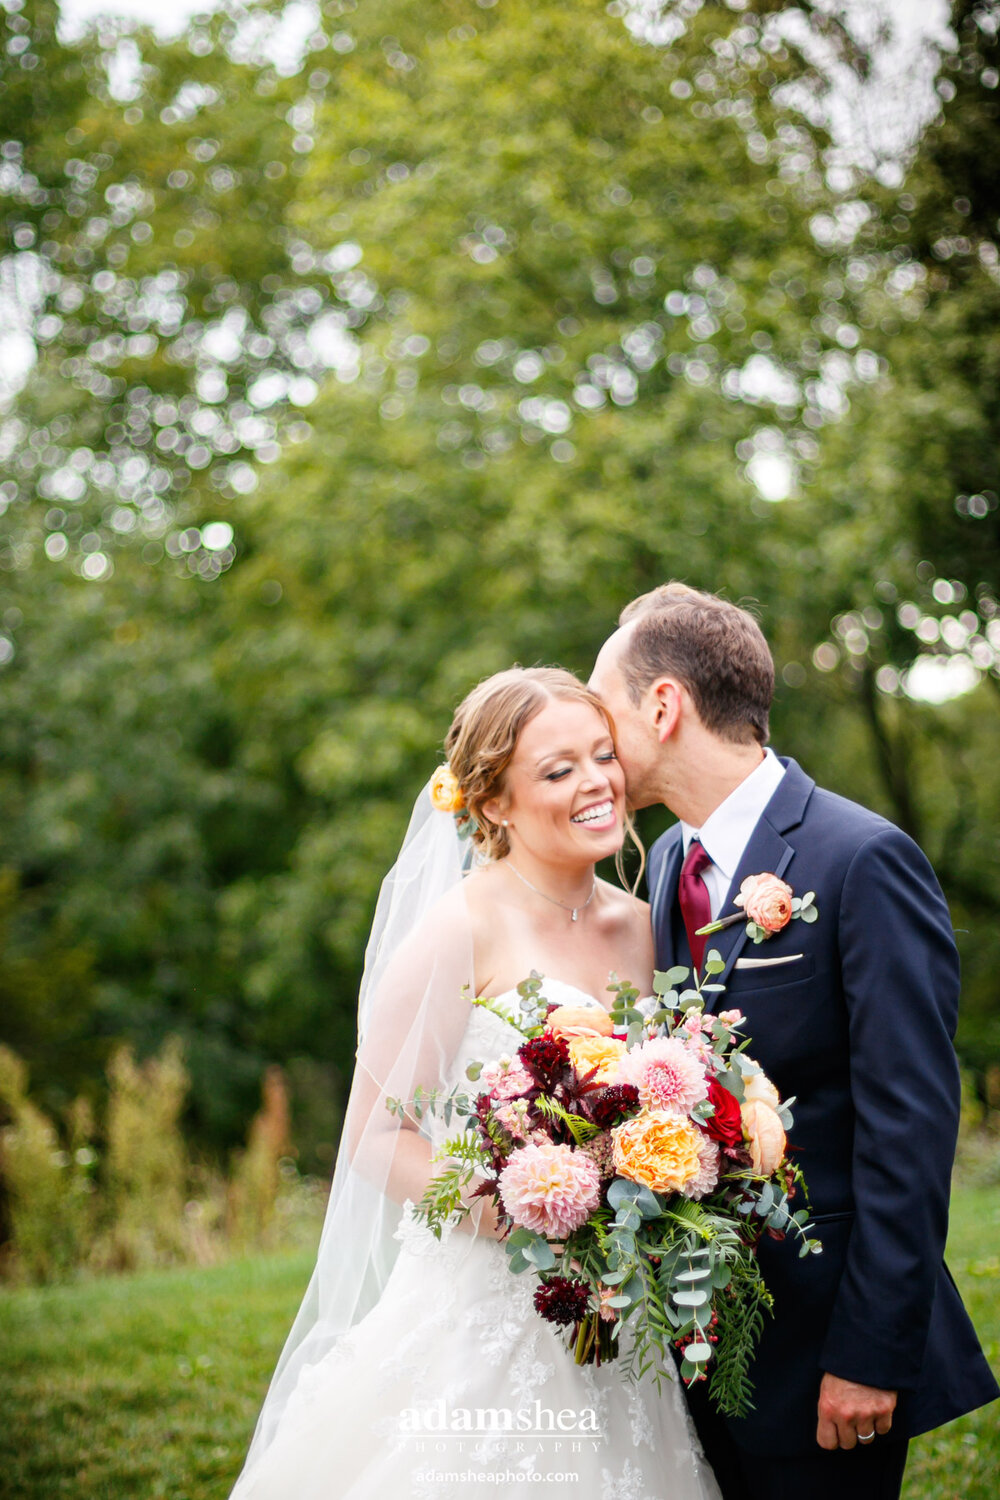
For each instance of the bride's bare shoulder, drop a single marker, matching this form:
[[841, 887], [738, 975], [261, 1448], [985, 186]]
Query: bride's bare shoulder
[[460, 914], [623, 906]]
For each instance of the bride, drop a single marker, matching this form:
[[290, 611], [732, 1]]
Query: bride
[[418, 1367]]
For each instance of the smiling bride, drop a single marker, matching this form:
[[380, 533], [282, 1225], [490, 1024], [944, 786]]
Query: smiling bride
[[417, 1366]]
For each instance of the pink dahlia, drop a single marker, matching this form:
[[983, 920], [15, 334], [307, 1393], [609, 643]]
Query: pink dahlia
[[550, 1189], [666, 1074], [707, 1179]]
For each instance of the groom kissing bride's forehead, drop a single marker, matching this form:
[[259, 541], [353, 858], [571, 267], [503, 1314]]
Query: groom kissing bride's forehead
[[852, 1009]]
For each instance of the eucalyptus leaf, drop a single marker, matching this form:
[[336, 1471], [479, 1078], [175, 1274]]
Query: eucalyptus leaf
[[690, 1298], [541, 1255], [668, 980]]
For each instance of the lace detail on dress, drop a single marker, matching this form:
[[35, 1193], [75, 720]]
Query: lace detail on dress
[[628, 1484], [510, 1328], [416, 1239], [639, 1418]]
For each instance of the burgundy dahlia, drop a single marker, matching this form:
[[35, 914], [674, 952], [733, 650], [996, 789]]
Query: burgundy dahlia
[[614, 1104], [545, 1058], [560, 1300]]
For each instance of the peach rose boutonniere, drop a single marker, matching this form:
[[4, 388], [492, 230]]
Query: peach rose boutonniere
[[769, 904]]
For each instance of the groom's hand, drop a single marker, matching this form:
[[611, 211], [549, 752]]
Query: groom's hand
[[845, 1409]]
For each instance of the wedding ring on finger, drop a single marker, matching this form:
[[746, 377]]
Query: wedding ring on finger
[[866, 1437]]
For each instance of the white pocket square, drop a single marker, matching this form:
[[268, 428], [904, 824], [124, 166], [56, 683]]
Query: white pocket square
[[767, 963]]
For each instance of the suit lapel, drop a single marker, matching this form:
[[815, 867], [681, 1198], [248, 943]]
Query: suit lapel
[[767, 850], [664, 896]]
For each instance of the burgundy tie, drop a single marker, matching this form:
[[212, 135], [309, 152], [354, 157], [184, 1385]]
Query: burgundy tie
[[696, 904]]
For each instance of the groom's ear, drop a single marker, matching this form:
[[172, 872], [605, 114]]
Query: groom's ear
[[666, 699]]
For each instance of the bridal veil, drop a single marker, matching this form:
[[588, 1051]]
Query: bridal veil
[[414, 1007]]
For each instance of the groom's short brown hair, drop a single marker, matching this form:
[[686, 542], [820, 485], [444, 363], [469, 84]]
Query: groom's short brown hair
[[716, 649]]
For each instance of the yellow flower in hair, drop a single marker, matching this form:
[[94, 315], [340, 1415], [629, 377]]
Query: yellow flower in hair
[[446, 794]]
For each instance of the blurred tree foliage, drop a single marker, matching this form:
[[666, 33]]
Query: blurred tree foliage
[[362, 377], [906, 493]]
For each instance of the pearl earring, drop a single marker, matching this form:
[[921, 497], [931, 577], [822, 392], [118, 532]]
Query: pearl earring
[[503, 823]]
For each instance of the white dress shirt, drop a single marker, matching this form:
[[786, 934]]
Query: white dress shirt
[[726, 832]]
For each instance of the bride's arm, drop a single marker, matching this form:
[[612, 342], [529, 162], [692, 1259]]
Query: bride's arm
[[418, 1019]]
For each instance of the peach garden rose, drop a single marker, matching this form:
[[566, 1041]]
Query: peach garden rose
[[766, 1136], [658, 1148], [579, 1020], [767, 901], [759, 1086]]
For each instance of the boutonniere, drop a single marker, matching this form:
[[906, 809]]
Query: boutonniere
[[768, 906]]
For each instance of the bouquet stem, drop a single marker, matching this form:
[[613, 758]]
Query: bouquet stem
[[592, 1343]]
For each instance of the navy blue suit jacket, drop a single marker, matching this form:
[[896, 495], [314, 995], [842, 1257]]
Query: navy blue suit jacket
[[858, 1025]]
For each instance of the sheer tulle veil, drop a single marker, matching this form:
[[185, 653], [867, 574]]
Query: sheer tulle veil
[[414, 1007]]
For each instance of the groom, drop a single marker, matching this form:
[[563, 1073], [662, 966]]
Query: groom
[[853, 1014]]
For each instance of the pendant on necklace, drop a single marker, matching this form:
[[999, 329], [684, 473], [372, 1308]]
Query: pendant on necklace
[[574, 914]]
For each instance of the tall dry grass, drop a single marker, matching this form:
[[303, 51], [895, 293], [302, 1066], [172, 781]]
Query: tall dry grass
[[131, 1196]]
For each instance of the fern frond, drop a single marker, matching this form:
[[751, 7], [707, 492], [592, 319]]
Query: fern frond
[[740, 1311], [580, 1129]]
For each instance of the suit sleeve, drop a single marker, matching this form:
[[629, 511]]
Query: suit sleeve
[[901, 986]]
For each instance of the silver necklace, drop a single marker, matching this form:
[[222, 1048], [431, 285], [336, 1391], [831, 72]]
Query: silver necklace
[[566, 906]]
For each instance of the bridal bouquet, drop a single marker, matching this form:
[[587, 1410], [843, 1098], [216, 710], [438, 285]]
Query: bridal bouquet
[[636, 1158]]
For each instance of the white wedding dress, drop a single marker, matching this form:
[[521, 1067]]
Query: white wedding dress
[[453, 1385]]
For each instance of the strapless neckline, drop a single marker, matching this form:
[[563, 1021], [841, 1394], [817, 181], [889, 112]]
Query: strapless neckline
[[549, 985]]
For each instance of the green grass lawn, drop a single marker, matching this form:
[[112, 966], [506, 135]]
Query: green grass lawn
[[140, 1386], [148, 1386], [962, 1461]]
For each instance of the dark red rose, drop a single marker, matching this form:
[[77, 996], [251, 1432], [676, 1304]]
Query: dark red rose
[[546, 1058], [560, 1300], [726, 1125]]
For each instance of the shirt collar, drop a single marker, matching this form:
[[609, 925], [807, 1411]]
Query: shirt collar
[[726, 832]]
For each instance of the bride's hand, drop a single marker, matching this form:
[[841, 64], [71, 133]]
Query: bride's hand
[[484, 1220]]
